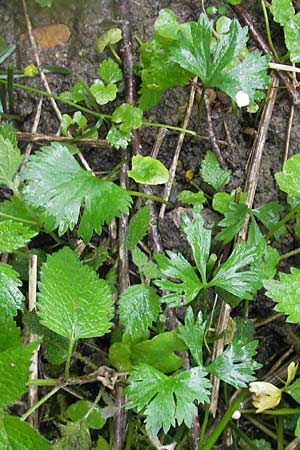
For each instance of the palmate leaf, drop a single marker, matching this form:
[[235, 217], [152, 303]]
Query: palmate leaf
[[243, 284], [232, 222], [176, 266], [14, 371], [11, 298], [236, 365], [73, 301], [285, 292], [167, 400], [139, 306], [18, 435], [57, 183], [14, 235]]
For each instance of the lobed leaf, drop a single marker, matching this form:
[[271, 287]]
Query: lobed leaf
[[73, 301], [110, 71], [192, 333]]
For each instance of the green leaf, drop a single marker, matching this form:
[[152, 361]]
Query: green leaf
[[282, 11], [285, 292], [14, 372], [66, 122], [101, 444], [261, 444], [10, 334], [269, 215], [16, 209], [128, 117], [10, 159], [192, 198], [139, 306], [168, 401], [148, 170], [44, 3], [117, 138], [110, 71], [223, 200], [78, 410], [139, 258], [291, 37], [265, 261], [73, 301], [55, 346], [166, 25], [75, 435], [14, 235], [232, 222], [236, 365], [199, 239], [103, 94], [192, 333], [175, 266], [137, 228], [289, 179], [18, 435], [57, 183], [243, 284], [158, 352], [110, 37], [212, 173], [11, 298], [294, 390]]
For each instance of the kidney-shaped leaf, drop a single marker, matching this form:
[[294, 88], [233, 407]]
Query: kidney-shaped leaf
[[73, 301]]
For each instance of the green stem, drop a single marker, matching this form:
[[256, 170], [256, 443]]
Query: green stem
[[17, 219], [44, 382], [203, 426], [244, 436], [224, 421], [95, 402], [68, 361], [267, 25], [280, 440], [150, 197], [170, 127], [274, 412], [113, 51], [279, 224], [40, 402], [260, 426], [204, 304], [289, 254]]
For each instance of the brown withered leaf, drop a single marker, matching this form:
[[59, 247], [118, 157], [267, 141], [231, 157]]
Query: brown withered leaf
[[49, 36]]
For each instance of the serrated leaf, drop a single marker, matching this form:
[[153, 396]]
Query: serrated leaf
[[261, 444], [57, 183], [103, 93], [10, 334], [18, 435], [148, 170], [265, 261], [243, 284], [128, 117], [10, 159], [76, 411], [289, 179], [55, 346], [232, 222], [282, 11], [192, 198], [11, 298], [137, 228], [269, 215], [175, 266], [109, 37], [212, 173], [14, 372], [199, 239], [16, 209], [139, 306], [285, 292], [192, 333], [110, 71], [74, 435], [223, 200], [73, 301], [14, 235], [168, 401], [139, 258], [236, 365]]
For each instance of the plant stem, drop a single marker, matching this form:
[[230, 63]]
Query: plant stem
[[274, 412], [150, 197], [224, 421], [68, 361], [204, 304], [279, 224], [267, 25], [115, 54], [40, 402], [244, 436], [280, 440], [17, 219], [289, 254], [45, 382], [204, 425]]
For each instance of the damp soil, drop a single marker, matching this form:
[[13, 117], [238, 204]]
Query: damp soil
[[87, 20]]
